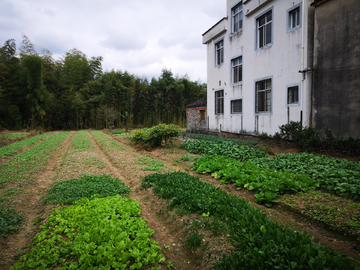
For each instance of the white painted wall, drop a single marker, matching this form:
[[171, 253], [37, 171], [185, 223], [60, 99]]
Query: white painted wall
[[281, 61]]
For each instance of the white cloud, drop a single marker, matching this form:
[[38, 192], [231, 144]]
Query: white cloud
[[141, 37]]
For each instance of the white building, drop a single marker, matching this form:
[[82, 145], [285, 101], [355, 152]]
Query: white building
[[258, 76]]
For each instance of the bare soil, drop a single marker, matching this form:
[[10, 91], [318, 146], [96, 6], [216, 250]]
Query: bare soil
[[170, 231]]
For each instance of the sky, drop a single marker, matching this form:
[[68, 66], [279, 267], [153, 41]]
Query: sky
[[137, 36]]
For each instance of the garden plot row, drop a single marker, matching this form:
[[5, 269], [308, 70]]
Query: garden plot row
[[337, 175], [82, 158], [260, 243], [17, 173], [21, 168], [15, 147], [289, 174], [102, 229]]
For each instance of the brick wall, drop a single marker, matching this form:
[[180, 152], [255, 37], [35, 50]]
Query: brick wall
[[193, 122]]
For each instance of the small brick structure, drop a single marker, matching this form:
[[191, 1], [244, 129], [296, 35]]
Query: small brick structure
[[196, 116]]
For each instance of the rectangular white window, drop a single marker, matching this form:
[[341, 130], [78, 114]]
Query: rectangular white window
[[293, 95], [236, 106], [219, 102], [263, 96], [294, 18], [236, 69], [219, 52], [237, 18], [264, 31]]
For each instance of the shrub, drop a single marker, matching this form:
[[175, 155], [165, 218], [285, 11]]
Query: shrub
[[309, 137], [264, 136], [156, 135], [306, 136]]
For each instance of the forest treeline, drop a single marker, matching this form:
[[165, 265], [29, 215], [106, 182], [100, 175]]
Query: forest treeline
[[37, 91]]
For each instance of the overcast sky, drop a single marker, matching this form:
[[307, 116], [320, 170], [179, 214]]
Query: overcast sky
[[138, 36]]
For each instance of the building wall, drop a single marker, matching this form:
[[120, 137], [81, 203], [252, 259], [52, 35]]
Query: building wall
[[337, 67], [193, 122], [281, 62]]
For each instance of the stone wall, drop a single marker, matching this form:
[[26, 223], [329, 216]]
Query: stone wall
[[193, 122]]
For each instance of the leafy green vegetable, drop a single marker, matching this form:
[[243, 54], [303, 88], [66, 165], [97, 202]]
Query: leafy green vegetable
[[89, 186], [9, 219], [223, 148], [339, 175], [269, 183], [218, 138], [260, 243], [103, 233]]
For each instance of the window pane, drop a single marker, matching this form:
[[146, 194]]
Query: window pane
[[235, 75], [261, 21], [298, 17], [261, 37], [268, 33], [240, 73], [268, 17]]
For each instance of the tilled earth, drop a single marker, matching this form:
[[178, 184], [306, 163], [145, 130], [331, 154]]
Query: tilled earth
[[127, 163]]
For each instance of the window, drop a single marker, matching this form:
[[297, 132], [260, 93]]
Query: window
[[236, 106], [219, 102], [263, 96], [219, 52], [293, 95], [237, 18], [202, 115], [236, 69], [293, 18], [264, 30]]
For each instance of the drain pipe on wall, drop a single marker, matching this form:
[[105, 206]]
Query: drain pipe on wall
[[302, 61]]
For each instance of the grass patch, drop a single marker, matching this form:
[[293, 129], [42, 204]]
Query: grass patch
[[150, 164], [89, 186]]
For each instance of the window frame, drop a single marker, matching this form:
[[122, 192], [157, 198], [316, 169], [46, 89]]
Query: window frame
[[289, 12], [231, 106], [221, 52], [267, 91], [287, 94], [233, 72], [220, 99], [257, 29], [233, 17]]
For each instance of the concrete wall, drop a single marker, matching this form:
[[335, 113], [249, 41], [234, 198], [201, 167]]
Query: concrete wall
[[281, 62], [336, 103], [193, 122]]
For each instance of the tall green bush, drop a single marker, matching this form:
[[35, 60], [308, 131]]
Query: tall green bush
[[156, 135]]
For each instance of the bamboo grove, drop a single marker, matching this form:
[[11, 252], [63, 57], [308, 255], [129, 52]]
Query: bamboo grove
[[74, 92]]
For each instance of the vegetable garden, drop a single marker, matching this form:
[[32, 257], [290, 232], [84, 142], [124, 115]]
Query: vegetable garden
[[96, 200]]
